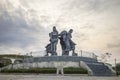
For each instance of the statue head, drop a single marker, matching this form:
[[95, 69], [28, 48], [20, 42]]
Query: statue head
[[54, 28], [71, 30]]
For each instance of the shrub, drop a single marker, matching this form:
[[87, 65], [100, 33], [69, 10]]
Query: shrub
[[72, 70], [69, 70], [31, 70]]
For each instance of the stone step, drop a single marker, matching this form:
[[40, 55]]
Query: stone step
[[99, 69]]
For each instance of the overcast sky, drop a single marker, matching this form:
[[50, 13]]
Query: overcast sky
[[25, 24]]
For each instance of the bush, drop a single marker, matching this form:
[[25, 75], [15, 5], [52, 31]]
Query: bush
[[117, 69], [118, 72], [4, 62], [32, 70], [72, 70], [69, 70]]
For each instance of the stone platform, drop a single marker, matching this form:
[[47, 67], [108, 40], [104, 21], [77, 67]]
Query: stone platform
[[60, 62], [93, 67], [60, 58]]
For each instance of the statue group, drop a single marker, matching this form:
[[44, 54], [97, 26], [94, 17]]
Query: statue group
[[66, 42]]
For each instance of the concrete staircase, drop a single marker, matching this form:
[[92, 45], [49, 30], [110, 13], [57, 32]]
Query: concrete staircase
[[99, 69]]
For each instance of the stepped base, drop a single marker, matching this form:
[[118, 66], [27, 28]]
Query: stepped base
[[100, 69], [60, 62]]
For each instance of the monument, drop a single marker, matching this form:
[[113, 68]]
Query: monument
[[91, 64], [66, 42]]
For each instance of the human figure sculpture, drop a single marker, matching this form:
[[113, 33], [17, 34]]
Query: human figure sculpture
[[52, 46], [66, 43], [71, 43], [63, 38]]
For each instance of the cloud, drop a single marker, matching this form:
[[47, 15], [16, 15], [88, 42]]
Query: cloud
[[14, 29], [17, 29], [113, 45], [93, 5]]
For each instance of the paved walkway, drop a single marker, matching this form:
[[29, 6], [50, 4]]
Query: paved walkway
[[54, 77]]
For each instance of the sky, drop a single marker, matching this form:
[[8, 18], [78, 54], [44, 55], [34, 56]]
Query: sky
[[25, 25]]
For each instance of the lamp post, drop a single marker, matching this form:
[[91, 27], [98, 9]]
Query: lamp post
[[81, 53], [115, 66]]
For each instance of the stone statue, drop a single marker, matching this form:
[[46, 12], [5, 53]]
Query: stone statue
[[71, 43], [52, 46], [66, 43], [63, 37]]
